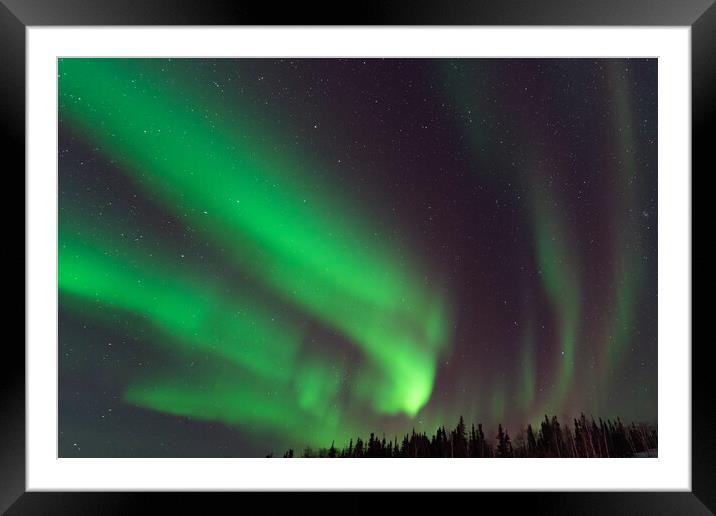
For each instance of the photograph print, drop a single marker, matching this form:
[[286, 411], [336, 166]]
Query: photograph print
[[384, 257]]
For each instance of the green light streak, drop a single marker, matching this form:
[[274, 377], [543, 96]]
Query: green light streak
[[497, 402], [268, 378], [559, 273], [628, 268], [311, 249], [188, 310], [220, 395], [561, 283]]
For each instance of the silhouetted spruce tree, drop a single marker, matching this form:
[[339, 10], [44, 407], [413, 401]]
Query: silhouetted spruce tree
[[519, 444], [568, 439], [502, 443], [557, 436], [531, 442], [481, 442], [508, 445], [596, 440], [436, 447], [472, 442], [358, 452], [547, 443], [579, 440], [460, 440], [372, 450]]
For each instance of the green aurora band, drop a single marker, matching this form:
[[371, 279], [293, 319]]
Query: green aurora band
[[561, 283], [558, 266], [321, 323], [627, 266], [252, 350], [305, 243], [232, 328], [558, 272]]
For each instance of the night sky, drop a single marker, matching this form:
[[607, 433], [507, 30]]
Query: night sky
[[257, 254]]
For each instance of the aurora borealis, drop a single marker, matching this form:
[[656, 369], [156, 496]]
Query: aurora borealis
[[262, 253]]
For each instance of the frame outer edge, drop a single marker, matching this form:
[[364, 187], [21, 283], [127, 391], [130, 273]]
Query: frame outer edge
[[703, 123], [12, 102], [12, 366], [359, 12]]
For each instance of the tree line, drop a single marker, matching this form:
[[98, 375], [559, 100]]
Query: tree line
[[584, 438]]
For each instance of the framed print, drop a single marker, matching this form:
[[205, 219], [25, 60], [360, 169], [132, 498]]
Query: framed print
[[434, 250]]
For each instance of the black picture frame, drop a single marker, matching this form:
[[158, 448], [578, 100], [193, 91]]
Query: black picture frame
[[17, 15]]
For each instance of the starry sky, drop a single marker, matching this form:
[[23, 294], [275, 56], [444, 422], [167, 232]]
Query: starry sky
[[256, 254]]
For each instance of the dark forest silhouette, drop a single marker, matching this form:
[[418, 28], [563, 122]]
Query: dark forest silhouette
[[585, 438]]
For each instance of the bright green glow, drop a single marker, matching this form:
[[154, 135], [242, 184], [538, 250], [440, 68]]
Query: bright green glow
[[309, 247], [218, 395], [265, 382], [193, 313], [317, 388]]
